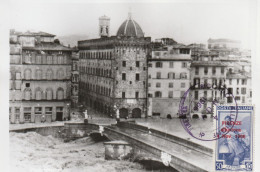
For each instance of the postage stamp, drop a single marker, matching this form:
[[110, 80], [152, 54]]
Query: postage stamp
[[234, 146]]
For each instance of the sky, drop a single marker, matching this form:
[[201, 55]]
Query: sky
[[185, 21]]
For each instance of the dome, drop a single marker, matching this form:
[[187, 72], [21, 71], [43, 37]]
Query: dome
[[130, 28]]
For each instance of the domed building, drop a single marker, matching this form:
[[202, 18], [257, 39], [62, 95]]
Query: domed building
[[113, 70], [130, 28]]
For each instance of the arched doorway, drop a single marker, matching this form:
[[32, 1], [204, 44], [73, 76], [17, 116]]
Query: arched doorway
[[136, 113], [123, 113], [169, 116], [195, 116]]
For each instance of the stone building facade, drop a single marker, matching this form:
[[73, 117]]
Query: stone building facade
[[74, 80], [113, 71], [168, 79], [40, 78]]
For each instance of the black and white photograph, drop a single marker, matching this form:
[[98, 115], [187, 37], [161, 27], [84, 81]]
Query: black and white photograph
[[130, 86]]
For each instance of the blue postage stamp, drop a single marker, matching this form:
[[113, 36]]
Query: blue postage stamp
[[234, 146]]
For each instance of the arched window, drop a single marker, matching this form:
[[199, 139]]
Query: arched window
[[49, 59], [49, 74], [27, 74], [27, 94], [38, 93], [55, 60], [38, 59], [171, 75], [183, 75], [60, 94], [38, 74], [49, 93], [60, 60], [158, 94], [60, 74]]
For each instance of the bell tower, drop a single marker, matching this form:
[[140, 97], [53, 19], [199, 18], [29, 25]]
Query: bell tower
[[104, 26]]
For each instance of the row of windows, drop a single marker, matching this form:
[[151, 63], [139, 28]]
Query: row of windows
[[158, 85], [137, 76], [39, 74], [243, 81], [222, 70], [220, 82], [137, 64], [171, 75], [171, 64], [158, 94], [29, 59], [40, 95], [136, 95], [95, 55], [96, 71], [96, 88], [243, 90]]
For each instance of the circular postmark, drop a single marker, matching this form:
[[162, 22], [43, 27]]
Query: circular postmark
[[194, 104]]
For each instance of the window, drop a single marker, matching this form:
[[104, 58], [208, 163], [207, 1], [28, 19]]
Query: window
[[48, 110], [137, 76], [243, 90], [149, 84], [213, 70], [243, 99], [150, 65], [237, 90], [171, 64], [123, 94], [183, 75], [149, 76], [18, 85], [137, 63], [196, 95], [38, 74], [60, 94], [28, 74], [237, 98], [184, 64], [150, 95], [124, 63], [184, 51], [49, 74], [158, 84], [230, 90], [170, 85], [27, 94], [123, 76], [243, 81], [49, 59], [136, 94], [38, 110], [27, 111], [237, 81], [205, 70], [222, 70], [230, 81], [205, 82], [171, 75], [205, 94], [158, 75], [38, 60], [158, 94], [182, 85], [38, 93], [196, 70], [49, 94], [170, 94], [158, 65], [60, 74]]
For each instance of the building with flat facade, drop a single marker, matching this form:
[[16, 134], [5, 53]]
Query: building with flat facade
[[113, 70], [40, 78], [168, 79]]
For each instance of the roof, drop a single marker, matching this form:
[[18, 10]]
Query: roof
[[40, 33], [207, 63], [48, 46], [222, 40], [130, 28]]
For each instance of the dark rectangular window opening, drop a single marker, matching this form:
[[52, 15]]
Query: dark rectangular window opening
[[136, 94], [123, 94], [137, 63], [137, 77], [123, 76], [124, 63], [27, 84]]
